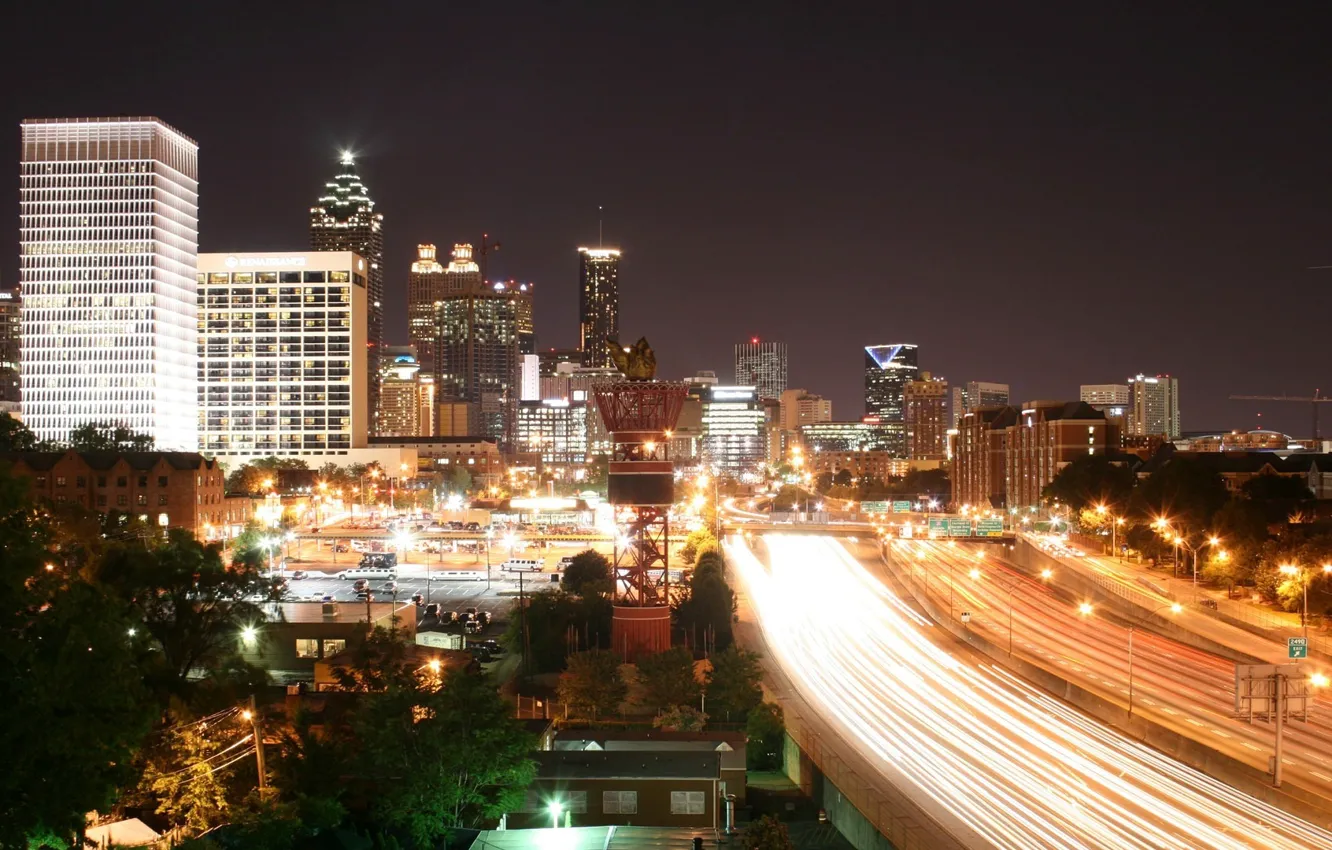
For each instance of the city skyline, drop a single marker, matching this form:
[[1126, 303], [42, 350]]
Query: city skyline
[[1076, 186]]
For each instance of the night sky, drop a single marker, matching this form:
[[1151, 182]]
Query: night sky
[[1042, 198]]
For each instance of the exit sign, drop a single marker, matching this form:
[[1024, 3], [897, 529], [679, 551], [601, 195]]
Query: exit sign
[[1298, 647]]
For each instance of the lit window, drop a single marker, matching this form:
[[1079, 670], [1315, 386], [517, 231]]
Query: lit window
[[307, 648], [688, 802], [333, 647], [619, 802]]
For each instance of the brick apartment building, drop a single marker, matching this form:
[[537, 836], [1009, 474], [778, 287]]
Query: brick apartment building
[[171, 489], [1006, 456]]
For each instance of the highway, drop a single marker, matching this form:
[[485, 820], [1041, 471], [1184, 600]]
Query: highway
[[997, 762], [1176, 685]]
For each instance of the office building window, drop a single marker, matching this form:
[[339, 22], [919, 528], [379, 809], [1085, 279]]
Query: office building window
[[619, 802], [687, 802], [307, 647]]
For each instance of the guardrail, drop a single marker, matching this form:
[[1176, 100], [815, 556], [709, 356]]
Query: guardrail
[[892, 813]]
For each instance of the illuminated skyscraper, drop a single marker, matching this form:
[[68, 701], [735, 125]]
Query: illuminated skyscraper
[[478, 346], [1155, 407], [598, 302], [888, 369], [108, 242], [344, 219], [424, 288], [11, 330], [762, 365]]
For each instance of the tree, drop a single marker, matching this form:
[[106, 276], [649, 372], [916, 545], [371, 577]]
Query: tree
[[558, 623], [699, 541], [593, 682], [1184, 491], [190, 604], [259, 476], [668, 679], [680, 718], [193, 782], [766, 833], [843, 478], [706, 610], [440, 757], [108, 437], [733, 683], [765, 731], [15, 436], [73, 709], [588, 571], [460, 480], [1089, 481]]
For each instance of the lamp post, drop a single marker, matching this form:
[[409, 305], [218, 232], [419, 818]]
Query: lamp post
[[1010, 587], [1303, 576], [1085, 609]]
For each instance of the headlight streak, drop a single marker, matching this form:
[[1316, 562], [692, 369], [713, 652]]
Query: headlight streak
[[1009, 763]]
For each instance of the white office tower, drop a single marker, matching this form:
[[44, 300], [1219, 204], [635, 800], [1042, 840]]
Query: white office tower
[[108, 243]]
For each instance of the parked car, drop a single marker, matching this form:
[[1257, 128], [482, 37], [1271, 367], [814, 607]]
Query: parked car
[[472, 526], [462, 616], [366, 594], [480, 653], [431, 610], [341, 547], [389, 587], [492, 646], [361, 584], [483, 618], [471, 612], [471, 627], [300, 574]]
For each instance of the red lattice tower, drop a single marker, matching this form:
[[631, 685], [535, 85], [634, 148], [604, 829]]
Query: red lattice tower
[[641, 488]]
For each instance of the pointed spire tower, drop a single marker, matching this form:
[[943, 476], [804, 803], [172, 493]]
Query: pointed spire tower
[[344, 219]]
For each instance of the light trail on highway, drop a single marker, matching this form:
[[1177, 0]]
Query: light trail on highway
[[997, 762]]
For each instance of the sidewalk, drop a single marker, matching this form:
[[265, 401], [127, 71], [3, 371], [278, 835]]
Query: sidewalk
[[1244, 626]]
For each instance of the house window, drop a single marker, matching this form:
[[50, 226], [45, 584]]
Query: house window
[[80, 481], [161, 500], [333, 647], [101, 501], [161, 481], [60, 481], [619, 802], [688, 803], [41, 480], [143, 480], [101, 481], [307, 648], [122, 500], [142, 499], [122, 481], [576, 802]]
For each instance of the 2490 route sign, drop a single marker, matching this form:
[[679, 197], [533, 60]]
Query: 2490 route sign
[[1297, 647]]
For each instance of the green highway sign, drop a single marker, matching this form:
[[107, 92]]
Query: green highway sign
[[938, 526], [1297, 647], [901, 507], [874, 507], [959, 527], [989, 528]]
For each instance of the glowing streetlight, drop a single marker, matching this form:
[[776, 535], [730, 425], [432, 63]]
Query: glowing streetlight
[[555, 810], [1085, 609]]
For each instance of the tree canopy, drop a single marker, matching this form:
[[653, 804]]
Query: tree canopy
[[1089, 481], [593, 682], [108, 437], [668, 679], [588, 572], [734, 683]]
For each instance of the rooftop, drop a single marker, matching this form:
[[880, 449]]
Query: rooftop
[[582, 764]]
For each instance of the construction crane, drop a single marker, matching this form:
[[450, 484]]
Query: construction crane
[[1313, 401]]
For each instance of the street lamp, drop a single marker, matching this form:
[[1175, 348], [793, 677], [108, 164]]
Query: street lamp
[[555, 809], [1174, 607]]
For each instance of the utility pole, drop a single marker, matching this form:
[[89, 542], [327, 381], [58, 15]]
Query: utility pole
[[257, 729]]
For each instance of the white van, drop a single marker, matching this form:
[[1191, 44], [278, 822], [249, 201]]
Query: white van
[[385, 573], [521, 565]]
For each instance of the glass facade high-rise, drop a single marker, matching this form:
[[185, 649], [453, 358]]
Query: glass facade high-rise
[[733, 430], [282, 353], [425, 286], [108, 243], [344, 219], [762, 365], [478, 346], [11, 329], [973, 395], [888, 369], [598, 303]]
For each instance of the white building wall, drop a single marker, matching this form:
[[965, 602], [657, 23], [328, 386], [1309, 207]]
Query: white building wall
[[108, 250]]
